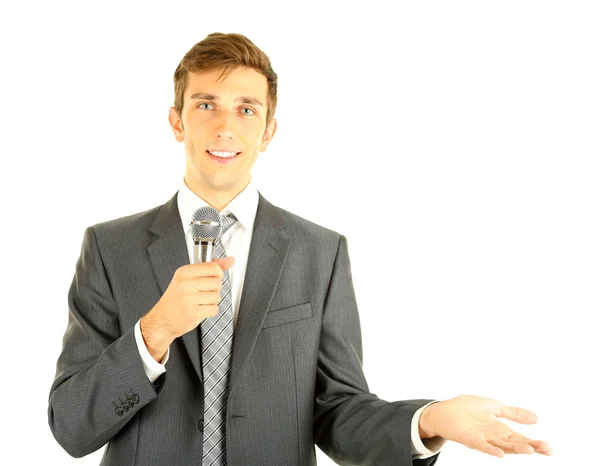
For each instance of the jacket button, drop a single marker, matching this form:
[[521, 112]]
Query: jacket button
[[129, 402], [135, 398], [124, 407], [201, 425], [119, 411]]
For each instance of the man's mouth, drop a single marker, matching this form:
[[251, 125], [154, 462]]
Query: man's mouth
[[223, 156]]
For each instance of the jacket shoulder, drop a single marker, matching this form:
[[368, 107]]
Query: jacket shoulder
[[302, 227]]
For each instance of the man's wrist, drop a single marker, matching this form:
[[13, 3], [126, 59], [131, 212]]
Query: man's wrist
[[427, 421], [156, 338]]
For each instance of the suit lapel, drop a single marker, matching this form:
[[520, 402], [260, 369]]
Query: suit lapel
[[268, 250], [167, 253]]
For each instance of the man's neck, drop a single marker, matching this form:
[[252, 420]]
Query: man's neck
[[217, 199]]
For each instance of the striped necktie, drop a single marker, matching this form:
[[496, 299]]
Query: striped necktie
[[217, 337]]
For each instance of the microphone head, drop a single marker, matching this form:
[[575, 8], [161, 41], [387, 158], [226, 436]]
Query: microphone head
[[206, 224]]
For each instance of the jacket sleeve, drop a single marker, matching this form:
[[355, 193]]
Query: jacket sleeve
[[100, 383], [351, 425]]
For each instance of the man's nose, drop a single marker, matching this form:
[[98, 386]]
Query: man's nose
[[224, 127]]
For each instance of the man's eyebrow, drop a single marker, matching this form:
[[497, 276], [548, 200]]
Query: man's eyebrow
[[243, 99]]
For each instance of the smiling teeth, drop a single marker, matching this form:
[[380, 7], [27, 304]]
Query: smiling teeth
[[224, 154]]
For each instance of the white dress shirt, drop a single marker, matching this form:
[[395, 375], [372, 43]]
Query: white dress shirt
[[236, 242]]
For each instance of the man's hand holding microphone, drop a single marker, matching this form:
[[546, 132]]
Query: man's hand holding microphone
[[195, 289]]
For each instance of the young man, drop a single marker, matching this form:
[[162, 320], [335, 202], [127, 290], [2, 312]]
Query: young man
[[135, 370]]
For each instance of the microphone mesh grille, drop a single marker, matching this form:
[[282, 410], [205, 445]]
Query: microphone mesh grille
[[206, 213]]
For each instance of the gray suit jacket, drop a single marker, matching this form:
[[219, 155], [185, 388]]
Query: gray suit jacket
[[296, 376]]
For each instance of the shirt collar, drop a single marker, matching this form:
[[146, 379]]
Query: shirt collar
[[243, 206]]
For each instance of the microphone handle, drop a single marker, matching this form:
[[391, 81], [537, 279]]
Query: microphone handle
[[204, 249]]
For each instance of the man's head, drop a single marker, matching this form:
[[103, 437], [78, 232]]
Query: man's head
[[225, 99]]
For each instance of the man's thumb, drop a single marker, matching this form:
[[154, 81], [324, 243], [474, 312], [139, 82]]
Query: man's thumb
[[225, 262]]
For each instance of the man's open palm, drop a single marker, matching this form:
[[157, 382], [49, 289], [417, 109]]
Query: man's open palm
[[473, 421]]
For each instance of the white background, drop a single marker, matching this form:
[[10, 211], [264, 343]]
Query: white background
[[455, 144]]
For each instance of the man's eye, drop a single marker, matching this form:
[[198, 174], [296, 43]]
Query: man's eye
[[250, 111], [203, 103]]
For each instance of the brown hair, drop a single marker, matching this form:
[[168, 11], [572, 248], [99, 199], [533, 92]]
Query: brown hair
[[226, 52]]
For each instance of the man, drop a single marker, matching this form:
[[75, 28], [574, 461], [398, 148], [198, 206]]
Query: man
[[135, 369]]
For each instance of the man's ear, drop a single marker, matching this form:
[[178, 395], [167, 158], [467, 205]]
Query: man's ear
[[268, 134], [176, 124]]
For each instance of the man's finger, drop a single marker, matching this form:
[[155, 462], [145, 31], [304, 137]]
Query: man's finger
[[548, 452], [539, 445], [512, 445], [481, 444], [520, 415], [225, 262]]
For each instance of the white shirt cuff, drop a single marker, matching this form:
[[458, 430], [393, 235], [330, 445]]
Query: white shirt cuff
[[423, 448], [152, 368]]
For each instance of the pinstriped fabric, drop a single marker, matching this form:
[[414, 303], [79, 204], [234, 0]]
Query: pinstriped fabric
[[285, 402], [217, 336]]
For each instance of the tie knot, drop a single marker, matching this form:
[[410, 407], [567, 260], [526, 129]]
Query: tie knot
[[227, 221]]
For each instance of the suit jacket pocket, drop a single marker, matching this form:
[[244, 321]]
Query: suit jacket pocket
[[287, 315]]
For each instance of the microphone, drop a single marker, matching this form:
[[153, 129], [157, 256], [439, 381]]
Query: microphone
[[206, 230]]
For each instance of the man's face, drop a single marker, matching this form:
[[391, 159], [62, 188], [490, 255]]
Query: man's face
[[220, 118]]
